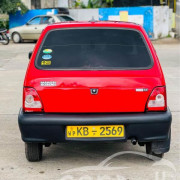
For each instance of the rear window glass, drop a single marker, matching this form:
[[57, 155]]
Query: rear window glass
[[93, 49]]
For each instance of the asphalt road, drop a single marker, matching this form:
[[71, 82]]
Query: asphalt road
[[82, 159]]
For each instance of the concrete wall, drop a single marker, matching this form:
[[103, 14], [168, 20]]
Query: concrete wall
[[139, 15], [49, 3], [178, 18], [156, 20], [170, 19], [84, 14], [161, 21], [62, 3], [27, 3]]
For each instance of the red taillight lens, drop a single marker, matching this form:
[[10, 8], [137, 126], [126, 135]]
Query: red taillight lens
[[31, 101], [157, 100]]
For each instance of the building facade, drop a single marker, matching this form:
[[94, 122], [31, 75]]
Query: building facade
[[39, 4]]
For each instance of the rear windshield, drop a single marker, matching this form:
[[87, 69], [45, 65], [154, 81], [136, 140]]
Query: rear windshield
[[93, 49]]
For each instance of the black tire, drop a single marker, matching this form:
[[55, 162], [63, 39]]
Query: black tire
[[33, 151], [149, 151], [158, 148], [5, 37], [16, 37]]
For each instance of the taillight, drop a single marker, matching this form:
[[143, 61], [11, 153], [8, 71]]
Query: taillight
[[31, 101], [157, 100]]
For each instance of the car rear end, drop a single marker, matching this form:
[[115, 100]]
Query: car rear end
[[95, 81]]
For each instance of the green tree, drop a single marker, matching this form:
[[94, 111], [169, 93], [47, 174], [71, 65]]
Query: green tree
[[94, 3], [108, 3], [100, 3], [11, 6]]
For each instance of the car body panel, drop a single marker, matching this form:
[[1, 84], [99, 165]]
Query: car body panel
[[31, 31], [117, 89]]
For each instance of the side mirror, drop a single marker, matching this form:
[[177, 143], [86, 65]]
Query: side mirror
[[30, 54]]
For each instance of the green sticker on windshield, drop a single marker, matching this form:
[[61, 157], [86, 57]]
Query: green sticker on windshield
[[46, 51]]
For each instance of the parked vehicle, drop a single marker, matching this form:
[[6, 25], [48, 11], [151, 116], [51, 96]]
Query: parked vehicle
[[4, 39], [33, 28], [94, 81]]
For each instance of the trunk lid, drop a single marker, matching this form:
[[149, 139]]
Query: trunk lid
[[114, 94]]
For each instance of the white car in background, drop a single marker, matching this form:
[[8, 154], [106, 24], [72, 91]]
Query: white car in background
[[33, 28]]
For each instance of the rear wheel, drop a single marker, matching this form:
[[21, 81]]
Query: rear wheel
[[16, 37], [150, 152], [33, 151], [158, 148], [5, 39]]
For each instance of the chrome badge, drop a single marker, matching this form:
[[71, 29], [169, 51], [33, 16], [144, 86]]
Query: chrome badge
[[48, 83], [141, 89]]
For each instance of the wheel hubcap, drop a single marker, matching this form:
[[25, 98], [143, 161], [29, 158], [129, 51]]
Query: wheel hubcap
[[16, 38]]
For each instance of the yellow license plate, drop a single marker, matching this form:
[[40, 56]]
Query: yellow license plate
[[95, 131]]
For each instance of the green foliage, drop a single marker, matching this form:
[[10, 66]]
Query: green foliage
[[78, 4], [4, 24], [108, 3], [94, 3], [11, 6]]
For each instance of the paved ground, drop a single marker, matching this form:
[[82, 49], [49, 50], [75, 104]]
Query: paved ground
[[60, 158]]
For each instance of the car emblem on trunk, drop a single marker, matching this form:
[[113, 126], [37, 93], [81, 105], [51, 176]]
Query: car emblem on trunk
[[94, 91], [48, 83]]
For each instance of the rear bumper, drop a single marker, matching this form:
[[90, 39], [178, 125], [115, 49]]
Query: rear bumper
[[46, 127]]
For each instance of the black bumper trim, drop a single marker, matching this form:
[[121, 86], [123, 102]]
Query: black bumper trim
[[46, 127]]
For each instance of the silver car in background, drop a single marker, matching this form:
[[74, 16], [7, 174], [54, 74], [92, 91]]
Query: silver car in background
[[33, 28]]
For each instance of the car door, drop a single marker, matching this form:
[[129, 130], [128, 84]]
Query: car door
[[31, 29]]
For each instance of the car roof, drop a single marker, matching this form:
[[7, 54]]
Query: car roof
[[51, 15], [94, 23]]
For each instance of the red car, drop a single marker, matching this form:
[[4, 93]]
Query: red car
[[94, 81]]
